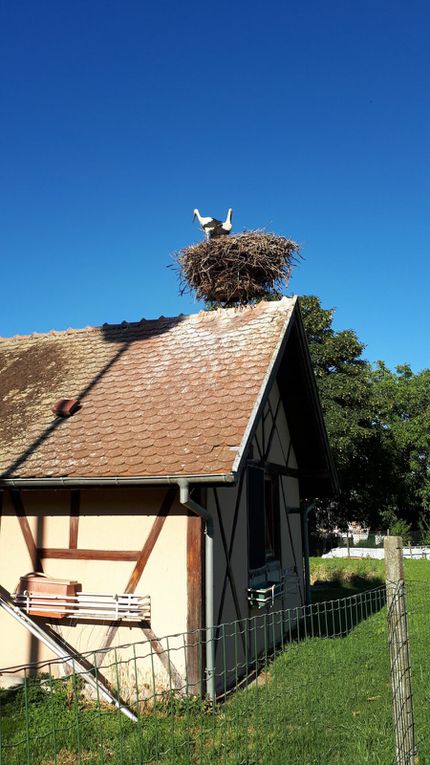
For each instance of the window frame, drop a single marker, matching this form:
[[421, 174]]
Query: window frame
[[263, 505]]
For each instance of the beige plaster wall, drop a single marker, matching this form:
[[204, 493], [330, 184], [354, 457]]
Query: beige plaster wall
[[109, 520]]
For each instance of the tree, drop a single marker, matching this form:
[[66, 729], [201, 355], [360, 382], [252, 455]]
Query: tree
[[343, 380], [344, 383], [361, 451], [378, 423], [401, 403]]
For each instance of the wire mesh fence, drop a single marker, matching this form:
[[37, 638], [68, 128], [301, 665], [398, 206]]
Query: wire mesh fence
[[305, 685], [418, 637], [400, 665]]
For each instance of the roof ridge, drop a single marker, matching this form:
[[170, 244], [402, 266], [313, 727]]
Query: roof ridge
[[121, 325], [89, 328], [49, 333]]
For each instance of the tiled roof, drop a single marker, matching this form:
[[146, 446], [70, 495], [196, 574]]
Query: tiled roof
[[169, 397]]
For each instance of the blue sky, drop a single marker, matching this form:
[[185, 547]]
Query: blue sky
[[308, 118]]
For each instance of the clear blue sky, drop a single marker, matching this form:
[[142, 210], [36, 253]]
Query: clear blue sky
[[309, 118]]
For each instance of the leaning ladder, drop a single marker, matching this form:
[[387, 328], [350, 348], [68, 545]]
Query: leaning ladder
[[85, 668]]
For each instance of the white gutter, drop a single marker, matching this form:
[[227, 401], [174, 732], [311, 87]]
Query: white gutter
[[115, 480], [189, 503]]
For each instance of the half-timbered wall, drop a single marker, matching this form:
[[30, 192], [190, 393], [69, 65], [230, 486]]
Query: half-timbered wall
[[144, 541], [271, 449], [113, 541]]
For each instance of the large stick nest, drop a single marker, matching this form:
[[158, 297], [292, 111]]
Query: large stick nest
[[238, 269]]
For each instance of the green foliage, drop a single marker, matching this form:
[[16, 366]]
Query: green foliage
[[378, 422], [344, 383], [400, 528], [401, 402], [424, 528]]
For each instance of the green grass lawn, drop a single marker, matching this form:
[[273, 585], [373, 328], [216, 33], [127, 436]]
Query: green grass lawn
[[342, 577], [324, 701]]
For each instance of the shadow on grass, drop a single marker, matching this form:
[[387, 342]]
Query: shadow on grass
[[341, 604], [339, 587]]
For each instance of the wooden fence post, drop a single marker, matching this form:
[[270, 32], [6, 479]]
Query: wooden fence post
[[399, 653]]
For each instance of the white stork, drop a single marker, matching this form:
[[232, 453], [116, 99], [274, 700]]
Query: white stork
[[213, 227]]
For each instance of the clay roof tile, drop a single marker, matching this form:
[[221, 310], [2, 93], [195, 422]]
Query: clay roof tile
[[171, 396]]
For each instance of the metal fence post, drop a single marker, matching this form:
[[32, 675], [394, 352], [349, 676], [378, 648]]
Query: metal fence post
[[399, 653]]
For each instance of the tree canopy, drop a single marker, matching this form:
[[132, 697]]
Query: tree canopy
[[378, 422], [401, 402]]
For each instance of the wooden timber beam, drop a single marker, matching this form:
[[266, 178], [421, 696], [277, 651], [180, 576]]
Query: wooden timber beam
[[88, 554], [315, 474], [33, 552], [272, 467], [195, 601], [146, 551], [228, 549], [151, 540], [163, 654], [231, 543], [287, 514], [273, 428], [75, 500]]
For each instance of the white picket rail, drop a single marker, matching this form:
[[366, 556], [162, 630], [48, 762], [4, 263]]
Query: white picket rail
[[84, 605], [415, 553]]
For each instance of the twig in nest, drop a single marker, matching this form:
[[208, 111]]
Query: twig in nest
[[238, 269]]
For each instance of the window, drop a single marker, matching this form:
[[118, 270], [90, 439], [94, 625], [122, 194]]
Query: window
[[272, 519], [264, 536]]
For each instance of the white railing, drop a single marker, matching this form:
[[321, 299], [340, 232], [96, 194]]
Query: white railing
[[86, 605], [271, 582], [415, 553]]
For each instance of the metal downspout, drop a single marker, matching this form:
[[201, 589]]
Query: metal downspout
[[305, 536], [190, 504]]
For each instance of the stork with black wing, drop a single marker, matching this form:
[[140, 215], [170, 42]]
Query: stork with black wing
[[212, 227]]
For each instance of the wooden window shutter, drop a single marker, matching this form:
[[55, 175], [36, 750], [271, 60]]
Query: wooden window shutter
[[256, 522]]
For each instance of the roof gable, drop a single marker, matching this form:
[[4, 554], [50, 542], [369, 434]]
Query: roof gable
[[297, 385], [291, 367]]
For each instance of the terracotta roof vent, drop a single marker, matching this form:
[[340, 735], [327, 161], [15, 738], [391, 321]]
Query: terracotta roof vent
[[65, 407]]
